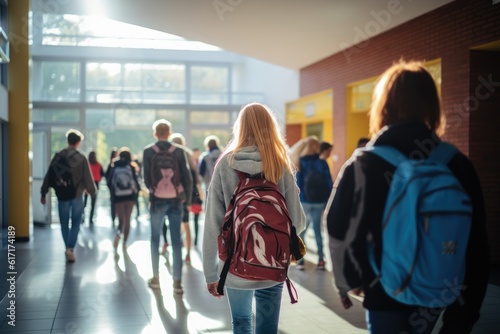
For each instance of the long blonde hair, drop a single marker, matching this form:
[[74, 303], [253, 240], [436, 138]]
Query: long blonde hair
[[257, 126], [406, 92]]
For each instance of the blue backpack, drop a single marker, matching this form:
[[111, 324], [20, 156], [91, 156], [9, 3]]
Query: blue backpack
[[425, 229]]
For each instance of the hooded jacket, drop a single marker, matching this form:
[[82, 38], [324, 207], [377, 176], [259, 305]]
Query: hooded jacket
[[349, 217], [222, 186]]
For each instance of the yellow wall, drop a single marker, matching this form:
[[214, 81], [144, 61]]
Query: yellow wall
[[18, 132], [312, 109]]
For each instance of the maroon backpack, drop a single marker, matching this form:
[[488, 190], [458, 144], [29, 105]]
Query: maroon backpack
[[256, 238]]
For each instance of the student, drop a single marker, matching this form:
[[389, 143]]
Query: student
[[69, 163], [167, 196], [208, 159], [181, 141], [112, 156], [325, 150], [257, 147], [125, 188], [315, 184], [405, 113], [198, 197], [97, 174]]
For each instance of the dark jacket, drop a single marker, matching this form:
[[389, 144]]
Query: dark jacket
[[111, 169], [353, 218], [313, 164], [184, 169], [80, 172]]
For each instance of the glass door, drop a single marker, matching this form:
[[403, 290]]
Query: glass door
[[40, 159]]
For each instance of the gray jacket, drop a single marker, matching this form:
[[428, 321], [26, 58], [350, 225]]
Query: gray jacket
[[224, 181]]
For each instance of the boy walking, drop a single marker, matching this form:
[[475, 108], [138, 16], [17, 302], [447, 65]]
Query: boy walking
[[168, 178], [69, 174]]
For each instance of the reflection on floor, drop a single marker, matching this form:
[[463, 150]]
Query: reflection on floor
[[104, 292]]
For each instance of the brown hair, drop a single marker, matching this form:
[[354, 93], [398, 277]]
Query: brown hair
[[257, 126], [406, 92], [162, 128]]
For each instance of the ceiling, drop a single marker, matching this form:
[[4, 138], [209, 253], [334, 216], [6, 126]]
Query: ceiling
[[288, 33]]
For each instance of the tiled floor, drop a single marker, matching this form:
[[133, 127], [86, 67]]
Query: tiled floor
[[104, 293]]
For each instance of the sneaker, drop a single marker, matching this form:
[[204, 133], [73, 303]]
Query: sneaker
[[187, 259], [321, 265], [178, 287], [300, 264], [117, 240], [164, 249], [70, 256], [154, 283]]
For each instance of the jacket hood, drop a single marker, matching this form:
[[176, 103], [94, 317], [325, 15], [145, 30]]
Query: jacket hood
[[247, 160]]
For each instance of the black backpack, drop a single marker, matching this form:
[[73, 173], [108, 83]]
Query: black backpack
[[315, 184], [61, 177]]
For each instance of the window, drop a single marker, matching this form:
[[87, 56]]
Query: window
[[57, 81], [55, 116], [209, 85], [209, 117]]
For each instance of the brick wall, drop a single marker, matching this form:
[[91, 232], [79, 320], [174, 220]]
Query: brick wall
[[484, 147], [448, 33]]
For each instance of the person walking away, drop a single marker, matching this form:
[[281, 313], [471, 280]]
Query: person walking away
[[198, 197], [181, 141], [125, 187], [97, 174], [315, 184], [168, 178], [406, 116], [208, 159], [113, 155], [257, 148], [69, 174]]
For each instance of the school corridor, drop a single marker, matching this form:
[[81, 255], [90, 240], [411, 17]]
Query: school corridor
[[105, 293]]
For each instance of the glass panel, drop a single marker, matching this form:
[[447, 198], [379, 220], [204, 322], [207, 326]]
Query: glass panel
[[60, 81], [104, 82], [198, 137], [134, 118], [100, 119], [176, 117], [55, 116], [209, 117], [209, 84], [74, 30], [361, 96]]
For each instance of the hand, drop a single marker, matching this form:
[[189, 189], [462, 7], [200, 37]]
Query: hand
[[346, 302], [212, 289], [43, 200]]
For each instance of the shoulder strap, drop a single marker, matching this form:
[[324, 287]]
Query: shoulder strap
[[443, 153], [388, 153]]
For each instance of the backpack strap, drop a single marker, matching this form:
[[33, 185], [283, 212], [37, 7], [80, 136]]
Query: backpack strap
[[443, 153], [388, 153]]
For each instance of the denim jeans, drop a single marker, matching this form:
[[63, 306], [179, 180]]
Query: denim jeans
[[267, 306], [420, 320], [173, 210], [313, 213], [74, 209]]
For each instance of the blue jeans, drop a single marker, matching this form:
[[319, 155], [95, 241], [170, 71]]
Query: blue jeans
[[313, 213], [420, 320], [267, 305], [73, 208], [173, 210]]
